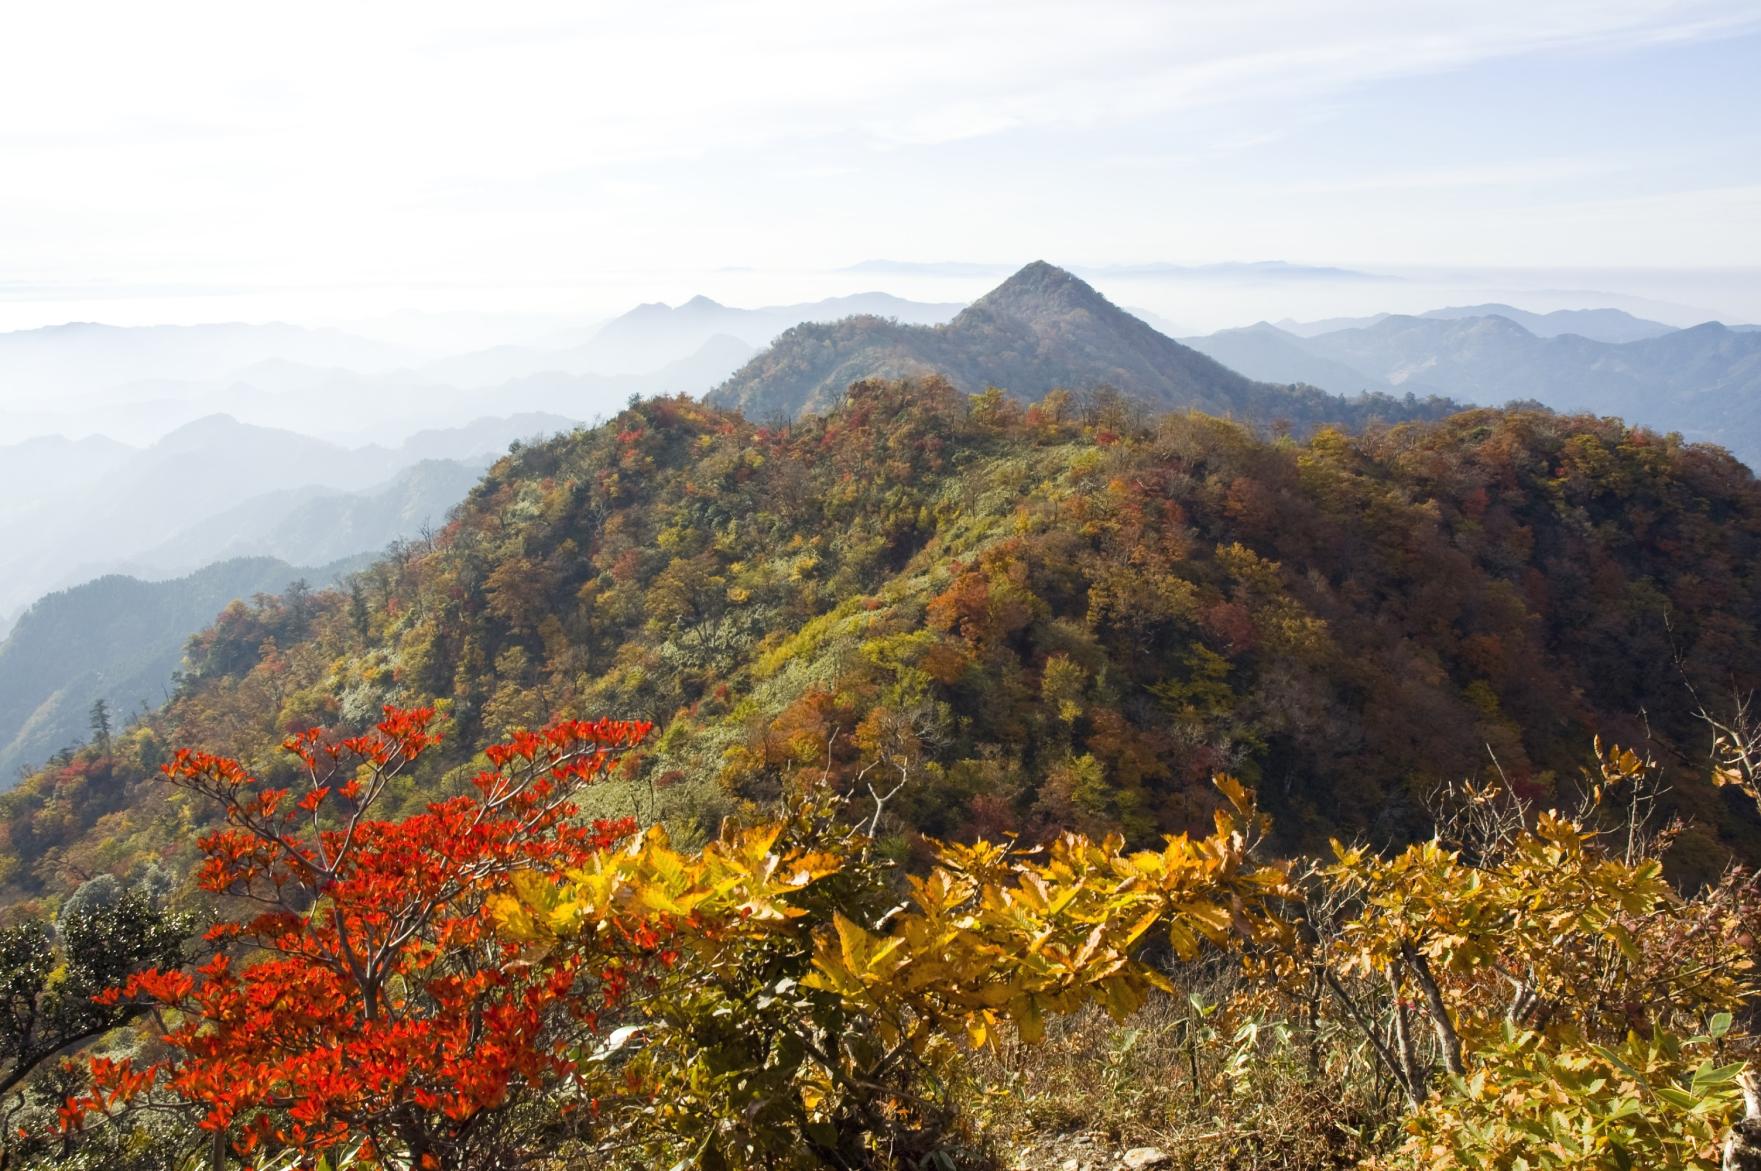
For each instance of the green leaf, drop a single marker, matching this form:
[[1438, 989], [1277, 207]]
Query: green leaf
[[1710, 1075]]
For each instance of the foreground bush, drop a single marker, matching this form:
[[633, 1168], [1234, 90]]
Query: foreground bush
[[492, 983]]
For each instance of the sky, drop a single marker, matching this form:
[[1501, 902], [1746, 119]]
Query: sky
[[332, 162]]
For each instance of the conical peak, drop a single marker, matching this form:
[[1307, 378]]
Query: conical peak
[[1042, 288]]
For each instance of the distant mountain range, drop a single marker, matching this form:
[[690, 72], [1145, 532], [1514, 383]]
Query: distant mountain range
[[73, 510], [322, 524], [138, 384], [1041, 329], [216, 489], [653, 336], [1704, 382], [1603, 325], [83, 357], [120, 640], [347, 404]]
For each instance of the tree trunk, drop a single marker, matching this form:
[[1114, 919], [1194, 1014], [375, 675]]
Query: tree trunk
[[1447, 1039]]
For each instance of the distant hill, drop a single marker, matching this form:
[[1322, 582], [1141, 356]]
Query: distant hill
[[651, 337], [321, 525], [1041, 329], [55, 463], [1602, 325], [67, 524], [501, 382], [118, 639], [1049, 619], [1151, 318], [480, 437], [1325, 325], [603, 395], [1269, 354], [231, 506], [633, 341], [1704, 382]]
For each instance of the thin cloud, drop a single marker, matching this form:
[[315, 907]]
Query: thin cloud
[[222, 143]]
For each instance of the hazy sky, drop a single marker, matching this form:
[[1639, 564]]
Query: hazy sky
[[206, 161]]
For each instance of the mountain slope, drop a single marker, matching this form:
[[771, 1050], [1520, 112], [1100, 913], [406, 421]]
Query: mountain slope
[[1601, 325], [1047, 618], [321, 525], [1270, 354], [1704, 382], [1041, 329], [290, 396], [55, 462], [650, 335], [148, 509], [116, 639], [653, 336]]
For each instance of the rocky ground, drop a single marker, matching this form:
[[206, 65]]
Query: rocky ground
[[1086, 1152]]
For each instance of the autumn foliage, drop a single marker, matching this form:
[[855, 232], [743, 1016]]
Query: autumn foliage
[[495, 980], [367, 1004]]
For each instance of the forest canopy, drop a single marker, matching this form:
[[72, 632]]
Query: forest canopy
[[1060, 616], [925, 713]]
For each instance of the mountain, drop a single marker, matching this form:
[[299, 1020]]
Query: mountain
[[1326, 325], [478, 438], [67, 524], [1156, 321], [1268, 353], [295, 397], [57, 464], [711, 362], [321, 525], [1704, 382], [634, 341], [1041, 329], [1046, 620], [1602, 325], [72, 531], [304, 396], [654, 336], [118, 637], [119, 640]]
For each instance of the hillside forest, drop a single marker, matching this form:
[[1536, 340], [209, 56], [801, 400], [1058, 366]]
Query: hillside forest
[[940, 781]]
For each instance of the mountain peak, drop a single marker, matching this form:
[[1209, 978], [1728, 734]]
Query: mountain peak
[[1041, 288], [206, 426], [1040, 330]]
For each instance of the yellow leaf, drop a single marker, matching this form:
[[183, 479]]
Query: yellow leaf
[[1234, 791]]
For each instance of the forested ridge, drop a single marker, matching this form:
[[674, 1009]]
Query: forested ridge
[[116, 641], [1067, 615], [968, 772], [1041, 329]]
